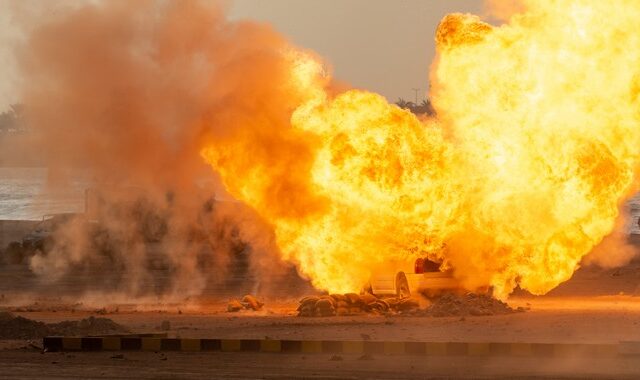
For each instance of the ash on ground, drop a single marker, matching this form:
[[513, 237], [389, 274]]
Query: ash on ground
[[16, 327]]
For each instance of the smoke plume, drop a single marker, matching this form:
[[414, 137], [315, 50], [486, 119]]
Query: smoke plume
[[121, 90], [519, 177]]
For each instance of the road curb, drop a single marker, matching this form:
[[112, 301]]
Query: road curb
[[123, 343]]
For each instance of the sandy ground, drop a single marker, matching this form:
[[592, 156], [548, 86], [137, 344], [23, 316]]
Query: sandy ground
[[148, 365], [585, 317], [569, 320], [605, 319], [595, 306]]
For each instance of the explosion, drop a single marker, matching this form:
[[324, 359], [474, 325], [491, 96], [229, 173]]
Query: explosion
[[519, 176], [522, 173]]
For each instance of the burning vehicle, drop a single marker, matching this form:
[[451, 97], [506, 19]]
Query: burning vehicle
[[427, 278], [522, 172]]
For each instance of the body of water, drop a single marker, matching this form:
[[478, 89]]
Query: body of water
[[26, 195]]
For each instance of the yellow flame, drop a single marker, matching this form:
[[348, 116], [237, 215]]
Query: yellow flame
[[535, 146]]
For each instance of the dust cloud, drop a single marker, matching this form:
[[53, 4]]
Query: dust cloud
[[132, 93], [120, 90]]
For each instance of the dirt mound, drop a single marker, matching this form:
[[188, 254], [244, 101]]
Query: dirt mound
[[16, 327], [449, 305], [87, 326]]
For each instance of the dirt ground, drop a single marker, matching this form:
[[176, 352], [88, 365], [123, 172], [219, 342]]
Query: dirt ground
[[596, 306], [149, 365], [603, 319], [570, 320]]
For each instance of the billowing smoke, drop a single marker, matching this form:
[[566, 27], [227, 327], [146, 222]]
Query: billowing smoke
[[522, 174], [121, 90]]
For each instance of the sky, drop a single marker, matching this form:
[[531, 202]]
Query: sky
[[385, 46], [8, 71]]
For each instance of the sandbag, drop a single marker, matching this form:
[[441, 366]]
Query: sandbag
[[234, 306], [368, 298], [353, 299], [250, 302]]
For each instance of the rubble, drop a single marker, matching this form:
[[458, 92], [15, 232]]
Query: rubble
[[448, 304], [233, 306], [352, 304], [470, 304], [87, 326], [248, 302], [17, 327]]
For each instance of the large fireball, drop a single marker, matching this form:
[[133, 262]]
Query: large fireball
[[535, 146]]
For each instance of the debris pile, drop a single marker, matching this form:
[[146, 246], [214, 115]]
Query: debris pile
[[248, 302], [470, 304], [446, 305], [17, 327], [353, 304], [87, 326]]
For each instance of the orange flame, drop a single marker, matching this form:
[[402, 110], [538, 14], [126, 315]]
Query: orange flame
[[521, 175]]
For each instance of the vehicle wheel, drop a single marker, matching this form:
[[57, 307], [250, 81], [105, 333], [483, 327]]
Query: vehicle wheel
[[402, 286]]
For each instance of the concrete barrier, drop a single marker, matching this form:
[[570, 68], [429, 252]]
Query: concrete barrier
[[151, 343]]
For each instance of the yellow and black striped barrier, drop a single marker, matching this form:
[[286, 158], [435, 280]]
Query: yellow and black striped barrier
[[147, 343]]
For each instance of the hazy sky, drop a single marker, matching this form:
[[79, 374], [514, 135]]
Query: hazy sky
[[381, 45]]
